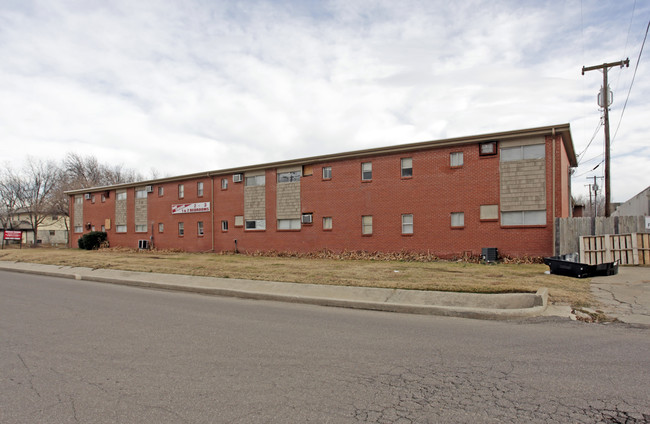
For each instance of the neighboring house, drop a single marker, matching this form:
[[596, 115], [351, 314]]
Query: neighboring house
[[52, 231], [445, 197], [639, 205]]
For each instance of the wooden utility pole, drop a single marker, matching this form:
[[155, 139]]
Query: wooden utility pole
[[605, 96]]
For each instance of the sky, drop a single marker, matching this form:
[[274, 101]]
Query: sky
[[178, 87]]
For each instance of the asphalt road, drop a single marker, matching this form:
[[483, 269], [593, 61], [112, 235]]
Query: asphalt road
[[75, 351]]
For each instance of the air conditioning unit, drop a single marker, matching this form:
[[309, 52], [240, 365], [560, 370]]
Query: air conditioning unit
[[87, 196], [490, 254], [149, 189], [237, 178], [307, 218], [143, 244]]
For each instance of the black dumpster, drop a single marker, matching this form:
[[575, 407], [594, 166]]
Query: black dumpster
[[570, 266]]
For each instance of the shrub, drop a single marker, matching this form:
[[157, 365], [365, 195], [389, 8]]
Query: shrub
[[92, 240]]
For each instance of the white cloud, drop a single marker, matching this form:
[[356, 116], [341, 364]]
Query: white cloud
[[190, 86]]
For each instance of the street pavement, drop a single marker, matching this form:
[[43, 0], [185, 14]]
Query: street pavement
[[625, 296]]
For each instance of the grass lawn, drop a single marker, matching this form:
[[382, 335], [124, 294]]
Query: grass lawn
[[440, 275]]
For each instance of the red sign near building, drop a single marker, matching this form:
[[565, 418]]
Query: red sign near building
[[191, 207], [13, 235]]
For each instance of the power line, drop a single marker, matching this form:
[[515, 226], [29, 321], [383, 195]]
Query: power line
[[632, 83], [600, 124]]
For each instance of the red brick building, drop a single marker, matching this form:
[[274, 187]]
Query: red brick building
[[446, 197]]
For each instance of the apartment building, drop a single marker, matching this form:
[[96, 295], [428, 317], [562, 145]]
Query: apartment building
[[446, 197]]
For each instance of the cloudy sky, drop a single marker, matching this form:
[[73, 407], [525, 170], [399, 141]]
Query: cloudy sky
[[194, 85]]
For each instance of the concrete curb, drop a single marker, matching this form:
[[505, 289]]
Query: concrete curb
[[464, 305]]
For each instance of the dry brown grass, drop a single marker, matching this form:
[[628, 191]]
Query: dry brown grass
[[438, 275]]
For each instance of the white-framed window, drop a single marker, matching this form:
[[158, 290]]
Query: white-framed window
[[199, 188], [141, 228], [531, 151], [141, 194], [78, 200], [327, 223], [458, 219], [255, 224], [289, 177], [456, 159], [407, 167], [103, 229], [121, 195], [366, 171], [327, 172], [257, 180], [288, 224], [161, 191], [181, 191], [366, 224], [78, 228], [181, 229], [523, 218], [92, 199], [407, 223], [224, 183], [103, 198], [224, 225], [161, 227], [199, 228], [120, 228]]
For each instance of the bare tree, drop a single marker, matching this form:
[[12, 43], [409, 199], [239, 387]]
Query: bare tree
[[10, 188], [39, 179]]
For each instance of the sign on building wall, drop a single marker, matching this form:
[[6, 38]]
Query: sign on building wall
[[647, 222], [191, 207]]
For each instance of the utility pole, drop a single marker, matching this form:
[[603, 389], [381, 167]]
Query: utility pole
[[605, 104]]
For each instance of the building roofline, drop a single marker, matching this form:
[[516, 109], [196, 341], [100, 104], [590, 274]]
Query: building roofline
[[563, 129]]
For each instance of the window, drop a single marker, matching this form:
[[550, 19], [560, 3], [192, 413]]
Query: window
[[224, 183], [103, 198], [92, 228], [161, 227], [523, 218], [224, 225], [199, 189], [103, 228], [141, 228], [532, 151], [181, 191], [120, 228], [307, 170], [327, 223], [490, 212], [181, 229], [327, 172], [78, 200], [92, 199], [52, 232], [407, 224], [366, 171], [457, 219], [307, 218], [366, 224], [239, 221], [258, 180], [407, 167], [288, 224], [161, 191], [121, 195], [199, 228], [78, 229], [289, 177], [140, 194], [487, 149], [255, 224], [456, 159]]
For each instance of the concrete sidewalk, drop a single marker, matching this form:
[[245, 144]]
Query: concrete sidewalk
[[467, 305], [625, 296]]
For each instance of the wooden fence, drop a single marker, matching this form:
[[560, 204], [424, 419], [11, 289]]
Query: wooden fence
[[627, 249], [569, 230]]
